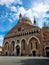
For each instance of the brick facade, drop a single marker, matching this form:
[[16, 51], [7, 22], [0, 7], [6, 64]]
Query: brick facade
[[26, 39]]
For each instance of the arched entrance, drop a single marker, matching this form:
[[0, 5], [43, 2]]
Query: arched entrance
[[47, 51], [6, 48], [6, 53], [34, 53], [33, 45], [12, 47], [17, 50], [23, 47]]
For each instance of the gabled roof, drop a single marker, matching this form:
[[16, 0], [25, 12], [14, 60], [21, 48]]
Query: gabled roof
[[22, 25]]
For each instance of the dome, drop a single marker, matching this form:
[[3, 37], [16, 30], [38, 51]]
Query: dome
[[26, 20]]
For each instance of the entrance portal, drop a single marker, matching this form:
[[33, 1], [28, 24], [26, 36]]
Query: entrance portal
[[33, 44], [18, 50], [6, 53], [34, 53], [47, 51]]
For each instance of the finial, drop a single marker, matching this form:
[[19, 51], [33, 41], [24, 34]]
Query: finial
[[20, 15], [34, 21]]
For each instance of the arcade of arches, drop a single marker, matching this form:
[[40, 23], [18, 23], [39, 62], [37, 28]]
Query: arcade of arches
[[24, 49], [30, 49]]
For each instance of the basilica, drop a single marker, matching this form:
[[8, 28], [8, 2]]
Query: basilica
[[26, 39]]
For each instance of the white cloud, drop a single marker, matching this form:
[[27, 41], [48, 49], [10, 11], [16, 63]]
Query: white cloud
[[17, 11], [18, 2], [40, 9], [6, 2], [1, 40], [1, 37], [9, 2], [21, 10], [13, 8], [10, 20]]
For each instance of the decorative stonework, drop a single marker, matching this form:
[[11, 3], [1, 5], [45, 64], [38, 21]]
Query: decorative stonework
[[29, 39]]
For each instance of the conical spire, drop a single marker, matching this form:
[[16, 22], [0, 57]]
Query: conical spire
[[34, 21], [20, 17]]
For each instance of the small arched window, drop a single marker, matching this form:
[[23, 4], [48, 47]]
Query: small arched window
[[18, 41], [19, 29]]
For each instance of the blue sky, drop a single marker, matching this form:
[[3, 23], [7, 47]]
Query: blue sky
[[10, 10]]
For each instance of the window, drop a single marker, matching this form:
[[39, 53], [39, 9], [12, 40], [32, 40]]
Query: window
[[18, 41], [19, 29]]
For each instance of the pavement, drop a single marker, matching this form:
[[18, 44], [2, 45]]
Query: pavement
[[23, 60]]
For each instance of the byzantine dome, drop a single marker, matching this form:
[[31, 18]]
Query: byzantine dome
[[24, 19]]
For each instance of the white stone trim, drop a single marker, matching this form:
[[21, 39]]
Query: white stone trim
[[24, 39], [35, 38], [12, 40], [5, 42], [20, 43]]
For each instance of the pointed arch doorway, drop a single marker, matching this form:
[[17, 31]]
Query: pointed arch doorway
[[47, 51], [6, 47], [34, 53], [23, 47], [12, 48], [6, 53], [18, 50], [33, 44]]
